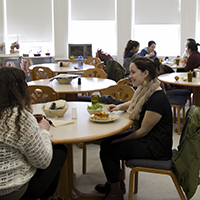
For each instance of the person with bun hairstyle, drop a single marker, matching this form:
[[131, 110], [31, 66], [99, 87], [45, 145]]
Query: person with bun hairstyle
[[151, 135], [130, 52], [185, 55], [149, 51], [194, 56], [29, 165]]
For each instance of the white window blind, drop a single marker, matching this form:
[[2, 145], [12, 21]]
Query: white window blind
[[32, 20], [1, 20], [93, 10], [157, 12]]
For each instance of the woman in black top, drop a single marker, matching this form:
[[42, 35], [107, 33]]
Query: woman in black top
[[152, 135]]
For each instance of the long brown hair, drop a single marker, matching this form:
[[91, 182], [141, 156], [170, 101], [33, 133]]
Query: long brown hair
[[14, 92], [129, 46]]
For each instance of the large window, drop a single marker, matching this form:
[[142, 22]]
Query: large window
[[167, 38], [159, 21], [28, 23], [92, 22]]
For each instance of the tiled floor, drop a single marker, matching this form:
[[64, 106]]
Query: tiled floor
[[151, 187]]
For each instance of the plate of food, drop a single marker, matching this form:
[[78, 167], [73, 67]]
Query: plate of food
[[103, 117]]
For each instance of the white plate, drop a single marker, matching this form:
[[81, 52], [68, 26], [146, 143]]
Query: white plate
[[112, 117]]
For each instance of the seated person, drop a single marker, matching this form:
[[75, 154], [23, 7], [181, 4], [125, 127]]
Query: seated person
[[185, 55], [149, 51], [103, 56], [30, 166], [194, 56], [151, 137], [130, 52]]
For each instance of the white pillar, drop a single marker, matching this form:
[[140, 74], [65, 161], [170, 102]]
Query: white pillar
[[124, 28], [188, 21], [61, 28]]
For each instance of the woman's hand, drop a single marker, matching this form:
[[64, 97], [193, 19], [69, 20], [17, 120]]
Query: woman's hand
[[112, 108], [44, 124]]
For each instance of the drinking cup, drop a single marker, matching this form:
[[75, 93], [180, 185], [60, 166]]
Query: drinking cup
[[177, 61], [39, 117], [190, 75], [95, 97]]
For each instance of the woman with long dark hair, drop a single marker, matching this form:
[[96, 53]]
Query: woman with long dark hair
[[151, 137], [130, 52], [29, 165], [194, 56]]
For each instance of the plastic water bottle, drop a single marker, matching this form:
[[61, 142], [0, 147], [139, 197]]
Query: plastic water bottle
[[80, 62]]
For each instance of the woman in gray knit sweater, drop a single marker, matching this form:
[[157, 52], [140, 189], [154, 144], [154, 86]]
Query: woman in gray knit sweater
[[29, 165]]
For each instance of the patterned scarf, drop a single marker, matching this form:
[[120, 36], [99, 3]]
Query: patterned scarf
[[141, 95]]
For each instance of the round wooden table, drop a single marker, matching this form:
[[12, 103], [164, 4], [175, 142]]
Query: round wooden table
[[82, 130], [195, 84], [70, 91], [72, 68]]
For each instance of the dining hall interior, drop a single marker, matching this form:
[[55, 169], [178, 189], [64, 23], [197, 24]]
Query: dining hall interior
[[46, 32]]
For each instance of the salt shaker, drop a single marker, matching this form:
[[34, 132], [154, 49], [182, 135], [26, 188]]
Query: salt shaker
[[79, 81], [74, 113], [198, 74]]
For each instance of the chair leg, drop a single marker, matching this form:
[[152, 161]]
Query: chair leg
[[123, 170], [174, 118], [179, 120], [136, 182], [130, 195], [177, 186], [84, 158], [183, 114]]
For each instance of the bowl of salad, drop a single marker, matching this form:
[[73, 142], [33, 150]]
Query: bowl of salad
[[94, 108]]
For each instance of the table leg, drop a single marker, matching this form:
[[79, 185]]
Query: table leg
[[66, 187], [196, 96]]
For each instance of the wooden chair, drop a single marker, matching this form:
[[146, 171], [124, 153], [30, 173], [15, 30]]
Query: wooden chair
[[122, 92], [92, 61], [163, 167], [99, 73], [178, 100], [41, 73], [24, 65], [10, 64], [178, 103], [101, 66], [124, 81], [42, 94]]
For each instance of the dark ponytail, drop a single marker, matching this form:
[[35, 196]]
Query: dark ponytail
[[129, 46], [193, 46]]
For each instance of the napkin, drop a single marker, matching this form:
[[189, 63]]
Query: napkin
[[59, 122], [59, 104]]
